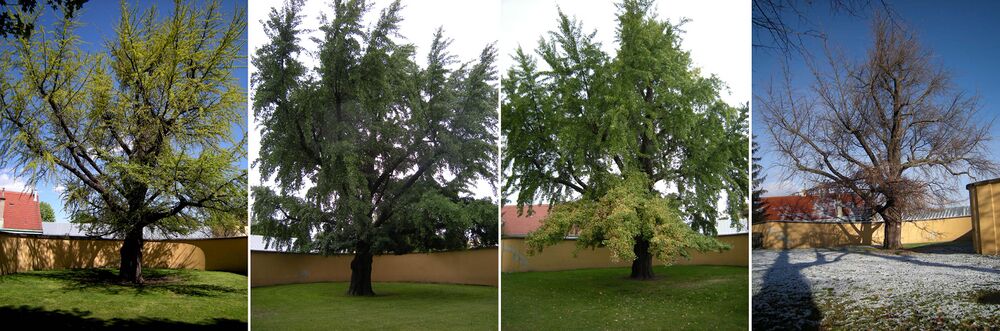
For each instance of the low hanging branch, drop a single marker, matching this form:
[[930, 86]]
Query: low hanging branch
[[611, 134], [373, 154], [140, 134]]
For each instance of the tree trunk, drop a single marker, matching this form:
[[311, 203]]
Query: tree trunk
[[130, 269], [642, 266], [361, 272], [893, 234], [892, 220]]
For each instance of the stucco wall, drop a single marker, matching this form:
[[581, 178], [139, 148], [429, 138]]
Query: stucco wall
[[788, 235], [984, 198], [228, 254], [20, 253], [561, 256], [477, 266]]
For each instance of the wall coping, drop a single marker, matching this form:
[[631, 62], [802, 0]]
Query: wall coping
[[352, 254], [49, 236], [982, 182], [523, 236], [856, 222]]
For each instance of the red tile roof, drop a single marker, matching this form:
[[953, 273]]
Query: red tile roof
[[803, 207], [20, 211], [780, 208], [519, 225]]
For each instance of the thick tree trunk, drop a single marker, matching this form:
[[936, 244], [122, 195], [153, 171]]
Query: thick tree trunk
[[642, 266], [893, 234], [361, 272], [892, 223], [130, 269]]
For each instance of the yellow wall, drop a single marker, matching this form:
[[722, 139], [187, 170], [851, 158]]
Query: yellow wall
[[560, 256], [787, 235], [224, 254], [940, 230], [477, 266], [19, 253], [985, 200]]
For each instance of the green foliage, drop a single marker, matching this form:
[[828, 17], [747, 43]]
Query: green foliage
[[371, 149], [139, 134], [759, 207], [579, 124], [14, 14], [48, 215], [628, 211]]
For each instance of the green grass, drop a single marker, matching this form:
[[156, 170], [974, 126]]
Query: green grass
[[918, 245], [396, 306], [93, 298], [680, 298]]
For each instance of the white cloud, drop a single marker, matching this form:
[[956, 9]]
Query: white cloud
[[12, 183], [59, 189]]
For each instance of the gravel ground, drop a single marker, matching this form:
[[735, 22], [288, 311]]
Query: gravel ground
[[866, 288]]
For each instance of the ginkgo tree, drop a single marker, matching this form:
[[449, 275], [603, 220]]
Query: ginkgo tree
[[139, 131], [370, 152], [635, 150]]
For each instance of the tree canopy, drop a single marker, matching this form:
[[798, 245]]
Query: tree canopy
[[48, 215], [371, 152], [891, 128], [15, 16], [138, 133], [758, 207], [639, 140]]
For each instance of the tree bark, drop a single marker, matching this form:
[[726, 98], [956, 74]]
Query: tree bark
[[893, 226], [642, 266], [893, 234], [361, 272], [130, 269]]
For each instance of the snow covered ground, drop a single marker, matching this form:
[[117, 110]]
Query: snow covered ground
[[866, 288]]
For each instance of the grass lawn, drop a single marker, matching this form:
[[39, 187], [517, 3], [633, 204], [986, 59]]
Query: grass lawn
[[680, 298], [396, 306], [94, 299]]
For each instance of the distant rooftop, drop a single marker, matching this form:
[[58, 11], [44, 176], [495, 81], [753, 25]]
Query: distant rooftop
[[805, 208], [950, 212], [75, 230], [520, 225], [257, 243]]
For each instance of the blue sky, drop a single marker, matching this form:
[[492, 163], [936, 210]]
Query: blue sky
[[99, 19], [959, 34]]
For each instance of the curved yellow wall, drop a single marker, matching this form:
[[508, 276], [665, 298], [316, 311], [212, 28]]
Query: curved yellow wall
[[224, 254], [20, 253], [477, 267], [561, 256]]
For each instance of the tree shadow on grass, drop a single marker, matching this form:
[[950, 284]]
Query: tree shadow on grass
[[157, 280], [42, 319]]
